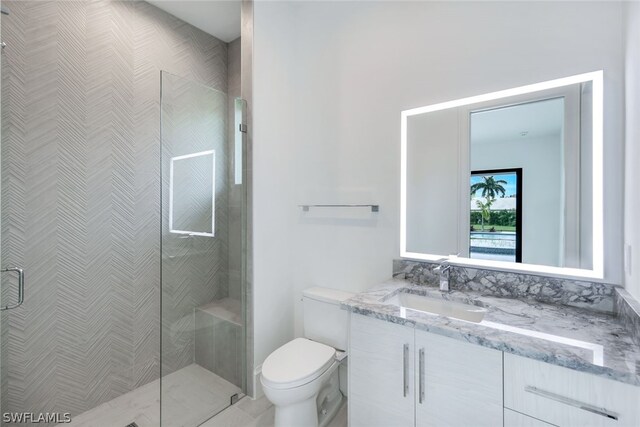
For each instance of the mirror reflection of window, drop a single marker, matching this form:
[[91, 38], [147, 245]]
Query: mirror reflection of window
[[551, 132], [495, 230], [529, 138], [192, 194]]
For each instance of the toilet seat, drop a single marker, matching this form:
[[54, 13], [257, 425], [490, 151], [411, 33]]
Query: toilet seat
[[296, 363]]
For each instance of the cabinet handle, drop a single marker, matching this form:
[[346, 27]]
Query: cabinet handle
[[405, 370], [571, 402], [421, 375]]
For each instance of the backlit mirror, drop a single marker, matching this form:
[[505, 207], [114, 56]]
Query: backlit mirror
[[510, 179], [192, 194]]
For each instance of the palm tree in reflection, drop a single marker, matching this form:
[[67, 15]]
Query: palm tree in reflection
[[491, 188], [485, 210]]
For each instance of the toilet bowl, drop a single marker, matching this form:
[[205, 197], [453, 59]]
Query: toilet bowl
[[301, 378]]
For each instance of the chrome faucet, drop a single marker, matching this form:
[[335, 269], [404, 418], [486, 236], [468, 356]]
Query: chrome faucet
[[443, 270]]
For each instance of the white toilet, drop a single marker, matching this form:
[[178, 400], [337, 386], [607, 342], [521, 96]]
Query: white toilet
[[302, 378]]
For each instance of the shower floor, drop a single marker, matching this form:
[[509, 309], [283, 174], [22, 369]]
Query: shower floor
[[191, 396]]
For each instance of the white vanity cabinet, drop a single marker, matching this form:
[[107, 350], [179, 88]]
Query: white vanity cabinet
[[566, 398], [459, 384], [381, 383], [401, 377]]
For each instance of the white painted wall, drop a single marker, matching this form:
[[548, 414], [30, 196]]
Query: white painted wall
[[632, 147], [330, 81], [274, 174], [541, 163]]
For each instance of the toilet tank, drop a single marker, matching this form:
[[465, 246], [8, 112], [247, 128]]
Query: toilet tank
[[324, 320]]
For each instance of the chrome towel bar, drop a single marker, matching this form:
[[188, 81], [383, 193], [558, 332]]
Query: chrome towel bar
[[374, 208]]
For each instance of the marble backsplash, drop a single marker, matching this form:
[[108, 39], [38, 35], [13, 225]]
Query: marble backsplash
[[628, 312], [575, 293]]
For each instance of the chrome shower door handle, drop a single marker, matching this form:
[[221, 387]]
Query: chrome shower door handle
[[20, 287]]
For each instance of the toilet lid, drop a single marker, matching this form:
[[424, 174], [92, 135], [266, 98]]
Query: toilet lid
[[296, 363]]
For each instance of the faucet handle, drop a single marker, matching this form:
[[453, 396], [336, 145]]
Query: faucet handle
[[443, 267]]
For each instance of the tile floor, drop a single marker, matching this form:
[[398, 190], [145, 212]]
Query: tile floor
[[191, 395], [260, 413]]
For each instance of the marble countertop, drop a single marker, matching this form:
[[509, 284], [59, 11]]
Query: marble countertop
[[574, 338]]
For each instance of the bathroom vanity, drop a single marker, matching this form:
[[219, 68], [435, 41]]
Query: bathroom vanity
[[501, 195], [402, 376], [520, 363]]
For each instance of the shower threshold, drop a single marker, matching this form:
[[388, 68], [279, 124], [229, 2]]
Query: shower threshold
[[190, 396]]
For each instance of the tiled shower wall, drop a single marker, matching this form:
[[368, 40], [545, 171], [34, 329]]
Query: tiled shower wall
[[80, 193]]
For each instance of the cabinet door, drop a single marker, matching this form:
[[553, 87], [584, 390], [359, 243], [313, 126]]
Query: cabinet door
[[381, 376], [461, 383]]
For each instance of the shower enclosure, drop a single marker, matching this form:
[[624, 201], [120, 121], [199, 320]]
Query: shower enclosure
[[123, 217], [202, 316]]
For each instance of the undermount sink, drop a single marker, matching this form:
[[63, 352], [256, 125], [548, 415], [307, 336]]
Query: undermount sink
[[442, 307]]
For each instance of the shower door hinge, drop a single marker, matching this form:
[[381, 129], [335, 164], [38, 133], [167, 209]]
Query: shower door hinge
[[235, 398], [242, 128]]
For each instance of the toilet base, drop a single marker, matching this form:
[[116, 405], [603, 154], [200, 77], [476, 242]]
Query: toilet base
[[301, 414], [316, 407], [325, 418], [307, 413], [329, 400]]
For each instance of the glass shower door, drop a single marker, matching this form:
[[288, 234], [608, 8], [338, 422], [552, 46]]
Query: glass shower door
[[202, 323]]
